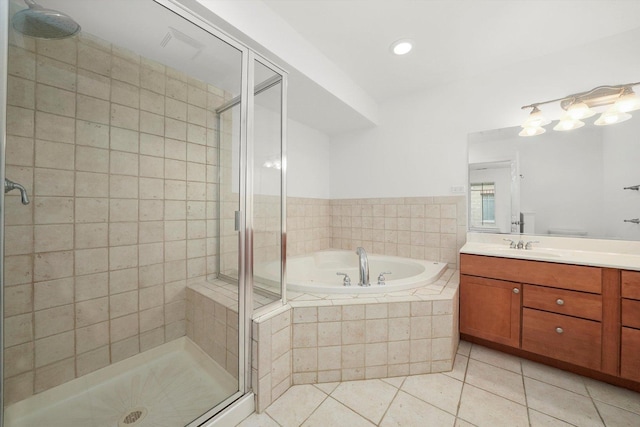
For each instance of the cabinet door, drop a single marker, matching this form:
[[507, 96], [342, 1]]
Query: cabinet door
[[630, 354], [490, 309]]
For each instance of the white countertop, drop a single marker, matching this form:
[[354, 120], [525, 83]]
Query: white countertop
[[594, 252]]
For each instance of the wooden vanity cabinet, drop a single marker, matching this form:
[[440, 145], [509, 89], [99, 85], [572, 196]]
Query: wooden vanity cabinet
[[556, 310], [630, 337]]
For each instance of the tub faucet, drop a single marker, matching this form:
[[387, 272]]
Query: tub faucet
[[363, 263]]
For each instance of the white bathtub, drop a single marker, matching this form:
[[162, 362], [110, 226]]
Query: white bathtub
[[316, 273]]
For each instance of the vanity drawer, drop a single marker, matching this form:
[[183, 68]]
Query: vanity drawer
[[565, 276], [572, 303], [631, 284], [561, 337], [631, 313]]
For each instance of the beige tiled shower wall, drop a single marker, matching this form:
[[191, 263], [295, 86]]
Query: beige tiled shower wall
[[308, 225], [118, 154]]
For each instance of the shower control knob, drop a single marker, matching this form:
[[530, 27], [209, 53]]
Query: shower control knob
[[346, 281], [381, 278]]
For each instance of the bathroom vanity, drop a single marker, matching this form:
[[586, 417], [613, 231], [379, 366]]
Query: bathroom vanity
[[574, 309]]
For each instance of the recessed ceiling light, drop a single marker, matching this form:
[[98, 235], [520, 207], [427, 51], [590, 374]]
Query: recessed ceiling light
[[402, 47]]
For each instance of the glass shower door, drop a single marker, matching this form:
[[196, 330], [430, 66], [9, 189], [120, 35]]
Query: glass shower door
[[267, 179], [112, 308]]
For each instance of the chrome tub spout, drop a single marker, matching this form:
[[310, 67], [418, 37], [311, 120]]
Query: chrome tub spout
[[363, 267]]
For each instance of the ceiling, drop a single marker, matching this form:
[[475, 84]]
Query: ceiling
[[454, 39]]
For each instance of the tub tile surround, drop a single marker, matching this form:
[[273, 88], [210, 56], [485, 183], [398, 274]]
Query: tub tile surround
[[327, 338], [119, 156], [429, 228]]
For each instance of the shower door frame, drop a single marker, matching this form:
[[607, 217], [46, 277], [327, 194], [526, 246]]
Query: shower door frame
[[244, 292], [4, 49]]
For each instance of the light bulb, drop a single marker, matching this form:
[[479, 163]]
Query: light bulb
[[402, 47], [532, 131], [629, 101], [567, 123], [612, 116], [535, 119], [580, 110]]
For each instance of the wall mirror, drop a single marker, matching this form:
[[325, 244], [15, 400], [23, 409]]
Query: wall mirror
[[579, 183]]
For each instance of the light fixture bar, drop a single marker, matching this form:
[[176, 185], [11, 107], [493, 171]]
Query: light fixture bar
[[601, 95]]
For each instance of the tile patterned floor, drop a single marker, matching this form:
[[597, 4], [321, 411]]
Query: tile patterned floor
[[485, 388]]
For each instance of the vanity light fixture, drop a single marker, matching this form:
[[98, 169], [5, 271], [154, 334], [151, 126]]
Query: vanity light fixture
[[401, 47], [578, 106]]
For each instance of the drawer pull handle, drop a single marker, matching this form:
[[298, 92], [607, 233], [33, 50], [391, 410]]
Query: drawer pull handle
[[560, 301], [559, 330], [516, 290]]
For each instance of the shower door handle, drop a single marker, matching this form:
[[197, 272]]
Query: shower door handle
[[237, 221]]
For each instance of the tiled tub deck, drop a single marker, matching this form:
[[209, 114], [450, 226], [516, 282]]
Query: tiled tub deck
[[325, 338]]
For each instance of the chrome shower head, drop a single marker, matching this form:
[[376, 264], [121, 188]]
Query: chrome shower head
[[42, 23]]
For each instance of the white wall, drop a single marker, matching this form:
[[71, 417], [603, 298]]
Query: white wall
[[308, 162], [420, 145]]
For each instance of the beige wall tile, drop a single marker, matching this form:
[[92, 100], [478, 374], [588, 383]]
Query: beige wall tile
[[92, 311], [53, 293], [123, 139], [20, 92], [92, 159], [18, 300], [19, 151], [52, 182], [54, 321], [56, 101], [55, 73], [123, 304], [52, 265], [92, 109], [121, 257], [123, 280], [54, 348], [91, 235], [123, 233], [18, 359], [18, 239], [125, 348], [54, 155], [93, 59], [91, 286], [55, 374], [92, 360], [93, 84], [20, 121], [88, 261], [123, 210]]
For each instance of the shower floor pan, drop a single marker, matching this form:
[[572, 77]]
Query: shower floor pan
[[170, 386]]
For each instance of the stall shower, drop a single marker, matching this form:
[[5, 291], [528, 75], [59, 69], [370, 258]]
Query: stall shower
[[117, 160]]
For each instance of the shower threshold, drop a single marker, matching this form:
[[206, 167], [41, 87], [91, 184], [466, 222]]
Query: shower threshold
[[169, 385]]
